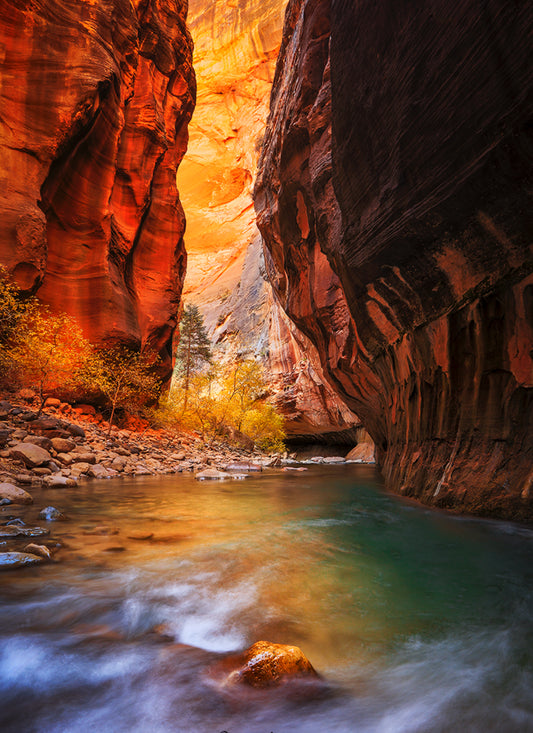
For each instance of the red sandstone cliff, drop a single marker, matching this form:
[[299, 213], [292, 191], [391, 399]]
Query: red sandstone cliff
[[95, 98], [393, 197]]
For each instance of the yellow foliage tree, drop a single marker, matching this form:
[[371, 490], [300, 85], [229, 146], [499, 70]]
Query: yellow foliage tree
[[13, 309], [47, 351], [265, 427], [227, 401], [125, 378]]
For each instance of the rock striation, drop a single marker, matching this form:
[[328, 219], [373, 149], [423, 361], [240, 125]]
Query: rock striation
[[95, 99], [392, 196]]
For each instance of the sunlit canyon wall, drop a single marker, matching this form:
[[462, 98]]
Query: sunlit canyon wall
[[95, 98], [235, 49], [394, 197]]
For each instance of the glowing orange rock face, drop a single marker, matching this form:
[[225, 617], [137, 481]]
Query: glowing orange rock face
[[94, 105], [401, 161], [235, 50]]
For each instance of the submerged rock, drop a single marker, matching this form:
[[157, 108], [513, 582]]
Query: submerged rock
[[39, 550], [140, 535], [16, 531], [244, 467], [12, 560], [18, 522], [51, 514], [211, 474]]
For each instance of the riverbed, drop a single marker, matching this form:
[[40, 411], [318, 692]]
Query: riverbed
[[419, 621]]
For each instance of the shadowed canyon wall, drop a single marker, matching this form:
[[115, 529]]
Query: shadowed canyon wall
[[393, 197], [95, 98], [235, 51]]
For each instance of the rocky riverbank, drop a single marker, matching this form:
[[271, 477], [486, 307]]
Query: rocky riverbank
[[65, 445]]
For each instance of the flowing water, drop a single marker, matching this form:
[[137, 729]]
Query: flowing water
[[418, 620]]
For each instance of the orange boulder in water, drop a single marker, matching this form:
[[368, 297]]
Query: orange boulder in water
[[263, 665]]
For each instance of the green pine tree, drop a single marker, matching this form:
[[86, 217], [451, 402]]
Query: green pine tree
[[194, 349]]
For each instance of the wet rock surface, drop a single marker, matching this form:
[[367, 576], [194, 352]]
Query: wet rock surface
[[264, 665], [14, 560], [15, 494], [51, 514]]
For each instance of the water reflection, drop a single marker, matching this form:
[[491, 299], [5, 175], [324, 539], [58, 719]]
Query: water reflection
[[419, 619]]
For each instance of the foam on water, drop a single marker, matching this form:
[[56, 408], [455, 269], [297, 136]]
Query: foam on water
[[422, 623]]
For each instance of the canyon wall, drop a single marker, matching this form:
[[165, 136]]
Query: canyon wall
[[95, 99], [392, 196], [235, 51]]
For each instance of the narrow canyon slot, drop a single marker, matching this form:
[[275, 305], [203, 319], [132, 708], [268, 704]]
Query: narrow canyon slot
[[266, 366]]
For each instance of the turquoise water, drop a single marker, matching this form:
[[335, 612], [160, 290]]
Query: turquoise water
[[419, 621]]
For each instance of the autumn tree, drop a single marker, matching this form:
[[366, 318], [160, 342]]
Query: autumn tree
[[227, 401], [194, 349], [13, 309], [47, 350], [125, 378]]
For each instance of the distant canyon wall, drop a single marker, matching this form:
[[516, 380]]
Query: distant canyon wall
[[393, 195], [95, 99], [235, 50]]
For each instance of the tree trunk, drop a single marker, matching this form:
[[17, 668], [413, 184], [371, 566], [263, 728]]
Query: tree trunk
[[42, 399], [113, 406], [187, 375]]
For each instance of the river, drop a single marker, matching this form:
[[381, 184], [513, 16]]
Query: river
[[419, 621]]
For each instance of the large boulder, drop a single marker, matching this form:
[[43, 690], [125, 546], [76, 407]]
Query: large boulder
[[32, 455], [263, 665], [15, 494]]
